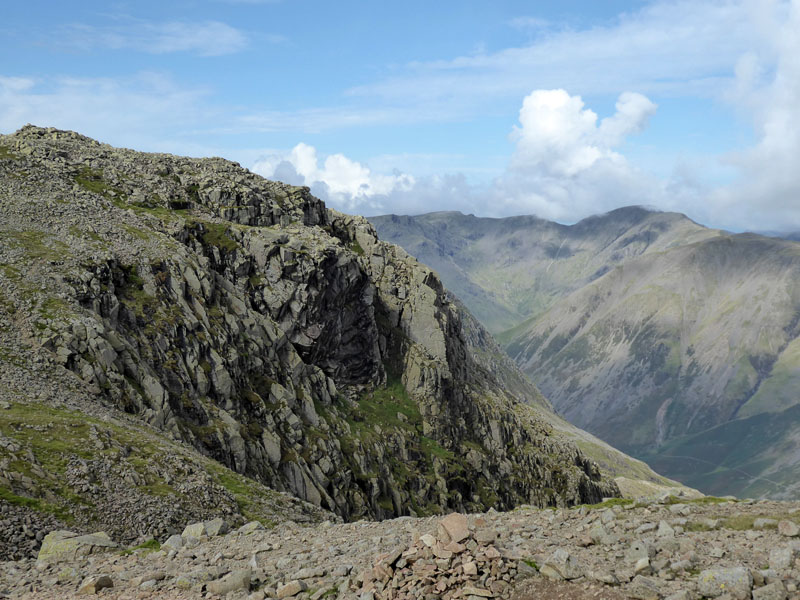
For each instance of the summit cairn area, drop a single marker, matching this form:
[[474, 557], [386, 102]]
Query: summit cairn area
[[659, 549]]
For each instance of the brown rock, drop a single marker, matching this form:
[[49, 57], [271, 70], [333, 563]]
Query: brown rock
[[788, 528], [95, 583], [455, 547], [470, 590], [291, 589], [456, 526]]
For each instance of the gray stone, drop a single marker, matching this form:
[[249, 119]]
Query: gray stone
[[664, 530], [773, 591], [762, 523], [638, 550], [566, 565], [174, 542], [644, 588], [95, 583], [234, 581], [781, 558], [216, 527], [456, 526], [291, 589], [63, 545], [250, 527], [194, 530], [736, 581], [642, 567], [309, 573], [788, 528]]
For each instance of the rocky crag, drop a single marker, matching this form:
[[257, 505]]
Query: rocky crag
[[650, 549], [157, 312]]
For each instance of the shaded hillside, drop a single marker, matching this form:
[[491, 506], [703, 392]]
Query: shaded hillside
[[512, 269], [680, 340], [283, 340]]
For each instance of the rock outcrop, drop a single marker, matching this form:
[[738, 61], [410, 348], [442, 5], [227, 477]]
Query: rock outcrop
[[280, 338]]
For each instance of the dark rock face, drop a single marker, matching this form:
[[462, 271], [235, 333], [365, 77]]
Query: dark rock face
[[276, 336]]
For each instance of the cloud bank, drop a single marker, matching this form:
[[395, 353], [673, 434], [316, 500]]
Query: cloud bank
[[564, 163]]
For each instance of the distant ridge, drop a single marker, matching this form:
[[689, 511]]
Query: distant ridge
[[675, 342]]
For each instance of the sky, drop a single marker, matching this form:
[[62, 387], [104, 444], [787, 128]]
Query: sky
[[496, 108]]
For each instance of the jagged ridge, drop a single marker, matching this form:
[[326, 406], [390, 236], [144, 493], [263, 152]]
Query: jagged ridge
[[279, 337]]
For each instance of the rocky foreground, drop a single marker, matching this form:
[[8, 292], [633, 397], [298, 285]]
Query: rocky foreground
[[706, 548]]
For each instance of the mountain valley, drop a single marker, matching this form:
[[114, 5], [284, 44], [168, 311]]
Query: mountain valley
[[671, 341]]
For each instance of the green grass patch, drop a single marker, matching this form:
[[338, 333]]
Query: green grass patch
[[144, 549], [51, 308], [139, 234], [707, 500], [92, 181], [7, 154], [430, 447], [383, 405], [216, 234], [697, 527], [611, 502], [246, 492], [356, 247], [37, 244]]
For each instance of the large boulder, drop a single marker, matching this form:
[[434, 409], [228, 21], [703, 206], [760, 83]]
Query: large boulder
[[63, 545], [737, 582]]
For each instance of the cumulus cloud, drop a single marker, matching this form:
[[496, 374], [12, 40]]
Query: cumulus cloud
[[565, 165], [767, 190], [346, 184]]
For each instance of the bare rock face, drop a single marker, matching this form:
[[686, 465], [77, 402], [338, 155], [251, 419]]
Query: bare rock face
[[280, 338]]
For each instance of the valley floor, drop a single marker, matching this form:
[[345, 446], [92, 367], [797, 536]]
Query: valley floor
[[676, 549]]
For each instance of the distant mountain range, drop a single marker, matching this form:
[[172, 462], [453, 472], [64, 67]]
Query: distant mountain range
[[671, 341]]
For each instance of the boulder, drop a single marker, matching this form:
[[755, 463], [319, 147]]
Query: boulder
[[788, 528], [64, 545], [566, 565], [644, 588], [95, 583], [456, 526], [736, 582], [232, 582], [773, 591]]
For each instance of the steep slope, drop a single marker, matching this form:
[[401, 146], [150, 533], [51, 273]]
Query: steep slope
[[275, 336], [512, 269], [675, 343], [679, 344]]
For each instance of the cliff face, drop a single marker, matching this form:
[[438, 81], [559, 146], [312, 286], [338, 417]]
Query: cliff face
[[281, 338]]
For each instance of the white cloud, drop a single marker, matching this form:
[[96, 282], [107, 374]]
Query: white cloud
[[766, 193], [204, 38], [346, 184], [678, 47], [565, 165], [145, 111]]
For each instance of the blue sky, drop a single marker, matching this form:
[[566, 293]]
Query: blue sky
[[495, 108]]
